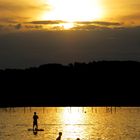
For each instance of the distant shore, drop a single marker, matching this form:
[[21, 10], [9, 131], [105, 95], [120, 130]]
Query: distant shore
[[102, 83]]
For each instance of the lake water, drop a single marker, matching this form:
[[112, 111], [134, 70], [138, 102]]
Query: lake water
[[86, 123]]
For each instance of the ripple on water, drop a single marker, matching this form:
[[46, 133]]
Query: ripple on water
[[92, 125]]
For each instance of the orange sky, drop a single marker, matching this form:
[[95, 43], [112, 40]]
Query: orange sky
[[32, 32], [122, 11]]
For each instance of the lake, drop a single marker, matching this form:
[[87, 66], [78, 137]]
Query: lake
[[86, 123]]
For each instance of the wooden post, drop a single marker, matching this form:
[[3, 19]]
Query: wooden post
[[83, 109], [30, 109], [115, 109], [43, 110], [96, 110], [24, 109], [111, 109]]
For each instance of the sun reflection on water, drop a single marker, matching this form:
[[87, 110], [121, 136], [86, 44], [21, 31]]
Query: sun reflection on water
[[86, 123], [72, 116]]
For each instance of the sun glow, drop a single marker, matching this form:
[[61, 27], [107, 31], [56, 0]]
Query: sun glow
[[73, 116], [67, 26], [73, 10]]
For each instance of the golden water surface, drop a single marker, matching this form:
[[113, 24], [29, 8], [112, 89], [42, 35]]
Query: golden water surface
[[86, 123]]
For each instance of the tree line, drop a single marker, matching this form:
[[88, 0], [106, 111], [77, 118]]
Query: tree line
[[96, 83]]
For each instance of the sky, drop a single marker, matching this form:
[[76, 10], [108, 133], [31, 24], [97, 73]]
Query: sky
[[37, 32]]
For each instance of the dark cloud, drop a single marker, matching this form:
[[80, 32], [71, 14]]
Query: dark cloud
[[48, 22], [18, 26], [12, 27], [88, 27], [33, 26], [1, 27], [81, 25], [108, 23], [58, 25], [25, 49], [103, 23], [7, 20]]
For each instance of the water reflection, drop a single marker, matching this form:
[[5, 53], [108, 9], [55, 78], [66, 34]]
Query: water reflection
[[86, 123], [71, 119], [72, 116], [35, 132]]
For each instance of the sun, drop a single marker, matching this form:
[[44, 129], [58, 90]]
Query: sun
[[73, 10]]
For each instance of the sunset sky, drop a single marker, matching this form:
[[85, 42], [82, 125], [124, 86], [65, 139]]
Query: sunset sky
[[34, 32]]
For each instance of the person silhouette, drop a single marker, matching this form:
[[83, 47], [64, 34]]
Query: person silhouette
[[35, 123], [35, 132], [59, 137], [78, 139]]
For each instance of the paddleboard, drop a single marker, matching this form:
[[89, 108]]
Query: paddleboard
[[31, 129]]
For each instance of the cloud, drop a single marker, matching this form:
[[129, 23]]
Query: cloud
[[131, 19], [97, 25], [88, 27], [135, 5], [13, 6], [33, 26], [20, 11], [55, 25], [108, 23], [79, 25], [25, 49], [1, 26], [7, 19], [103, 23], [48, 22], [78, 22], [135, 16], [18, 26], [12, 27]]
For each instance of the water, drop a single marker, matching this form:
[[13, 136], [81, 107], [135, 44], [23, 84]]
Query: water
[[87, 123]]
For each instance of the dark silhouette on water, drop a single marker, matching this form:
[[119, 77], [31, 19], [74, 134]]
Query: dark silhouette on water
[[35, 122], [102, 83], [59, 137], [35, 132]]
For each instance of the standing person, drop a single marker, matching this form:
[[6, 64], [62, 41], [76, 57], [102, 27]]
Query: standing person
[[35, 123], [59, 137]]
